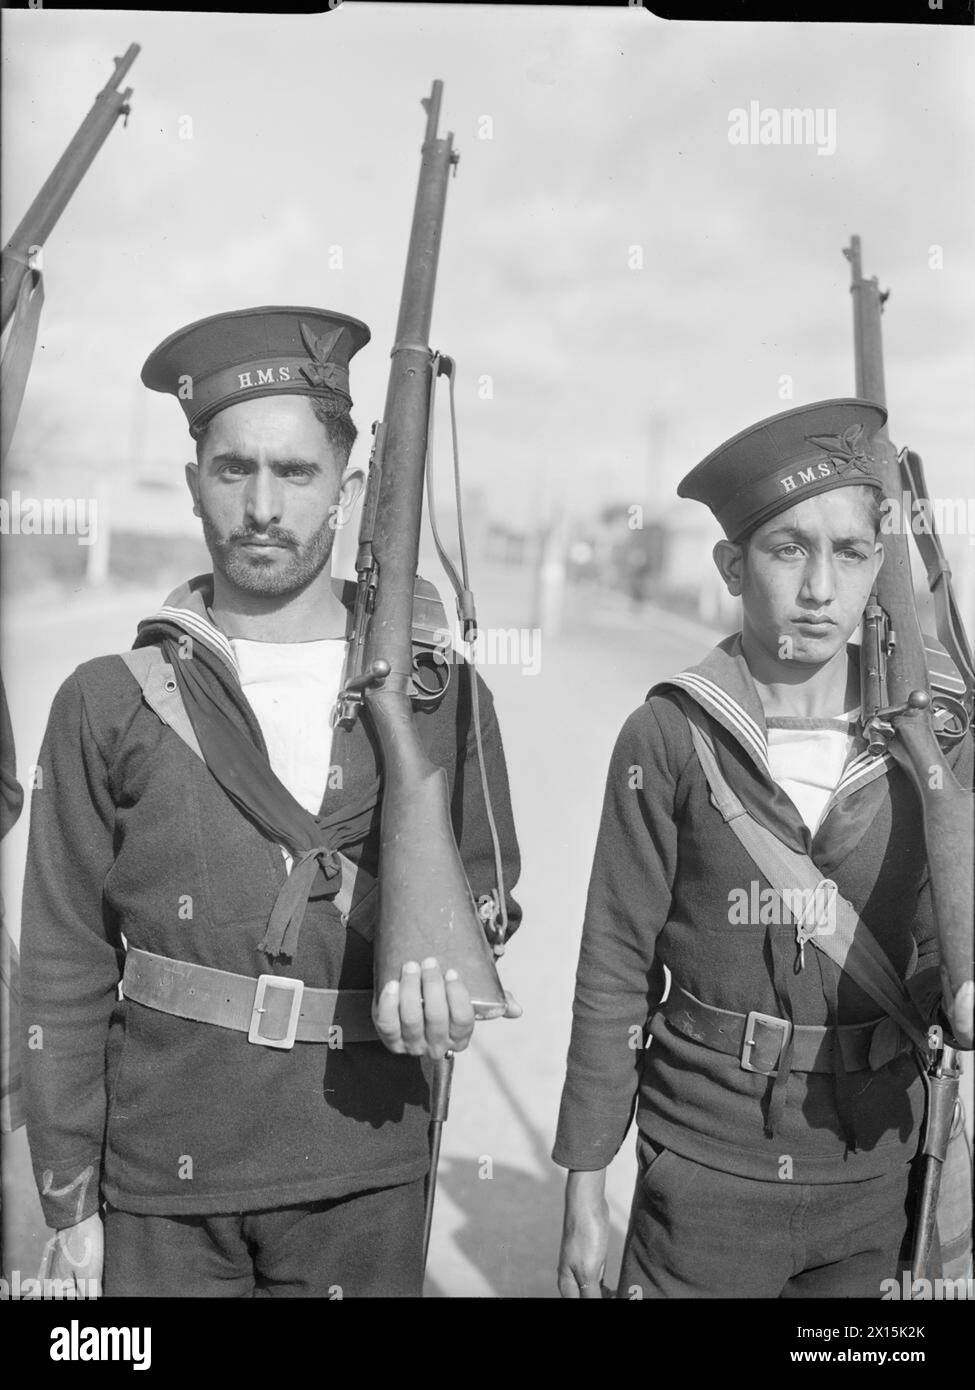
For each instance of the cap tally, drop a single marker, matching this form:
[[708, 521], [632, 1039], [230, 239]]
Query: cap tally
[[248, 353], [770, 466]]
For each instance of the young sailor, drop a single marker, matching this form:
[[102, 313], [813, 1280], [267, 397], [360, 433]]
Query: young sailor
[[778, 1107]]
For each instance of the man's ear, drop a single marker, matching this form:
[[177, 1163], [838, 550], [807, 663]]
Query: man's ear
[[878, 557], [730, 561], [353, 481], [192, 473]]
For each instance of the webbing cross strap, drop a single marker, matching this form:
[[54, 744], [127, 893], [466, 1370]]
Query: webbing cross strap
[[845, 939], [157, 681]]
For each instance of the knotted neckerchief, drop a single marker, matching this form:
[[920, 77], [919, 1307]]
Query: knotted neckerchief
[[223, 724]]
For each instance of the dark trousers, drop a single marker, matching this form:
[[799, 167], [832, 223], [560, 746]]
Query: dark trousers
[[698, 1233], [367, 1245]]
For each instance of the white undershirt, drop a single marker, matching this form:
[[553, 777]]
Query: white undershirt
[[807, 763], [292, 687]]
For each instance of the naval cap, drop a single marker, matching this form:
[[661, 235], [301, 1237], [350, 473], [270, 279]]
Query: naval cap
[[238, 356], [770, 466]]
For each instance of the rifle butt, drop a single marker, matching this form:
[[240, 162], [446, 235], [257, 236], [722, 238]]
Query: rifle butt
[[425, 908]]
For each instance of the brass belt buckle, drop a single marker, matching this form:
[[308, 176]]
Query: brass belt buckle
[[749, 1041], [265, 982]]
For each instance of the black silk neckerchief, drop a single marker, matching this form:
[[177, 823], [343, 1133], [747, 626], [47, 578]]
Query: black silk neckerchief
[[222, 722]]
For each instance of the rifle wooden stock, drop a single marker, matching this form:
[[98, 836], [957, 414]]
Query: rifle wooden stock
[[61, 183], [946, 806], [942, 1083], [425, 905]]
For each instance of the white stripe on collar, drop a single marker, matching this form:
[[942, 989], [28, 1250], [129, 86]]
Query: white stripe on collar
[[202, 627], [864, 763], [752, 735]]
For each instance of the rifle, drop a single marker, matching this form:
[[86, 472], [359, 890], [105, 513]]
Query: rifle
[[20, 264], [425, 905], [902, 712], [910, 705], [21, 298]]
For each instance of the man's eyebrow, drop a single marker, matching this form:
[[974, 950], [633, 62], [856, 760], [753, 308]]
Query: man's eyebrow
[[797, 533], [231, 456], [234, 456]]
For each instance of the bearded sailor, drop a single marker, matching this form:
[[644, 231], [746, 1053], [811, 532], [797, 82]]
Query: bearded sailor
[[217, 1107]]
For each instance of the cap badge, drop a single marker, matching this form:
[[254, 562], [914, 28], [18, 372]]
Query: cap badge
[[844, 450], [320, 371]]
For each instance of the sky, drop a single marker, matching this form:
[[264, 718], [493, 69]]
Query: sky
[[622, 287]]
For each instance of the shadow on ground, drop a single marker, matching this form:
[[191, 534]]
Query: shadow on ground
[[512, 1217]]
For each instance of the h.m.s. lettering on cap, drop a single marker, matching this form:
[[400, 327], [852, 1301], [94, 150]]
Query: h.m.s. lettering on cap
[[248, 353], [779, 461]]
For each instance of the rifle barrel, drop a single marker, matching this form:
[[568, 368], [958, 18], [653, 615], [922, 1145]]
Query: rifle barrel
[[867, 308], [64, 178]]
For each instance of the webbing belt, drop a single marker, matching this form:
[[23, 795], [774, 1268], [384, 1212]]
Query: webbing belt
[[273, 1010], [758, 1039]]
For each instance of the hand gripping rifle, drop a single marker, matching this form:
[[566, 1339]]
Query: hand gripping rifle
[[23, 290], [913, 701]]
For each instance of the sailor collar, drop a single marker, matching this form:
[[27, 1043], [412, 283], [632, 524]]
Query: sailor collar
[[188, 608], [723, 687]]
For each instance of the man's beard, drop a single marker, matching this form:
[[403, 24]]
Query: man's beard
[[253, 573]]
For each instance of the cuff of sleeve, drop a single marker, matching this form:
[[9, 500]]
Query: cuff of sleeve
[[581, 1147], [68, 1194]]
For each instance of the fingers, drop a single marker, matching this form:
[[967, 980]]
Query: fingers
[[436, 1030], [76, 1258], [461, 1011], [960, 1014], [385, 1016], [579, 1283], [411, 1009], [512, 1009], [425, 1013]]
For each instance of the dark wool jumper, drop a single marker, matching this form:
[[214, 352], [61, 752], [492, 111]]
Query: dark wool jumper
[[132, 837], [666, 868]]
